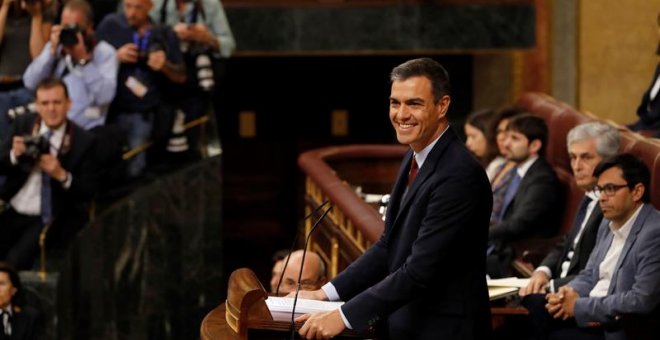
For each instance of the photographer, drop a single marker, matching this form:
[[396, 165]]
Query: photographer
[[206, 37], [24, 29], [150, 61], [50, 177], [88, 68]]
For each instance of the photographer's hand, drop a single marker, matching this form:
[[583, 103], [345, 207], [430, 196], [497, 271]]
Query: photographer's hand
[[55, 38], [128, 54], [17, 146], [32, 7], [51, 165], [157, 60], [182, 32]]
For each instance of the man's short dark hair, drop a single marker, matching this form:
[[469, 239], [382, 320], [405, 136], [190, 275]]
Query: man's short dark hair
[[51, 82], [633, 169], [15, 281], [533, 127], [425, 67]]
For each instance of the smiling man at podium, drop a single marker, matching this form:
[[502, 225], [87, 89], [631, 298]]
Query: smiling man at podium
[[425, 278]]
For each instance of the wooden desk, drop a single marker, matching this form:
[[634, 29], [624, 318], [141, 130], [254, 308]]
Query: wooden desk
[[214, 327]]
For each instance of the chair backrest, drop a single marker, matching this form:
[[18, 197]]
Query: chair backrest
[[648, 151]]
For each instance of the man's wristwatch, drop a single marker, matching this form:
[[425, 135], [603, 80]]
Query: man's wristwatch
[[83, 62]]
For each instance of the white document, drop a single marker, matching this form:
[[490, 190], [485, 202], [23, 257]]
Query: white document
[[303, 306], [508, 282]]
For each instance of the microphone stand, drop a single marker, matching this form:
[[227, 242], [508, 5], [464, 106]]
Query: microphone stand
[[302, 265], [293, 245]]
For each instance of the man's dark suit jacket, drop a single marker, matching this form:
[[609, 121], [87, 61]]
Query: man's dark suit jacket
[[25, 324], [425, 277], [71, 206], [585, 244], [649, 110]]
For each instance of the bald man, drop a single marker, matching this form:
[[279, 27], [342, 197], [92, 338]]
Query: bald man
[[313, 274]]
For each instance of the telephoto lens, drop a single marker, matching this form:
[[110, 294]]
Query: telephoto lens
[[204, 72]]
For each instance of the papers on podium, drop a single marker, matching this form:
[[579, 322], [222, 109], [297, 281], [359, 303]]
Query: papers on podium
[[303, 306], [499, 288]]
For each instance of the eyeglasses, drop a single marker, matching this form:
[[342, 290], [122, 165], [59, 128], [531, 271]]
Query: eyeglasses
[[608, 189], [304, 285]]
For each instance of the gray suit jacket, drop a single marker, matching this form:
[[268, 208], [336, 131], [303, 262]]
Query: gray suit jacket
[[635, 287]]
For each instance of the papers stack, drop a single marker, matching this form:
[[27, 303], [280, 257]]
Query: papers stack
[[499, 288], [303, 306]]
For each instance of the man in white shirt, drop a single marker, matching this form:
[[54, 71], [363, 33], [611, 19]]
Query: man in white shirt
[[622, 275], [50, 176]]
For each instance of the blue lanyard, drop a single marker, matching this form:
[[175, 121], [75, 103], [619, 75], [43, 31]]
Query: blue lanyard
[[142, 43]]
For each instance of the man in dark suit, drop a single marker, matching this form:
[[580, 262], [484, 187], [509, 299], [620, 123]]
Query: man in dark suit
[[425, 277], [588, 145], [49, 180], [530, 203], [17, 322], [649, 109], [622, 275]]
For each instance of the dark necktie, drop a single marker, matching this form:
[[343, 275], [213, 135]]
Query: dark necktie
[[413, 171], [46, 195], [499, 192], [579, 219]]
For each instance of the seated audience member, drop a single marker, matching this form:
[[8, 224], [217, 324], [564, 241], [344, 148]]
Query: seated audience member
[[313, 274], [588, 144], [622, 275], [87, 67], [17, 322], [19, 43], [481, 142], [276, 272], [529, 206], [50, 177], [649, 109]]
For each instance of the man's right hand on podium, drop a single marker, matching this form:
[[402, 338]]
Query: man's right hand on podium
[[318, 294]]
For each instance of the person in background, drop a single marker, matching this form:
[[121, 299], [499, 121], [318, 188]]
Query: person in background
[[649, 109], [17, 322], [622, 276], [276, 271], [481, 141], [313, 273], [436, 223], [150, 61], [51, 177], [588, 144], [529, 206], [206, 38], [24, 30]]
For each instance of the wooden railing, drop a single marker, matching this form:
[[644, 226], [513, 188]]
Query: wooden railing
[[332, 174]]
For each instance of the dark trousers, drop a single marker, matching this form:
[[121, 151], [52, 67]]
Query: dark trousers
[[19, 238], [545, 327]]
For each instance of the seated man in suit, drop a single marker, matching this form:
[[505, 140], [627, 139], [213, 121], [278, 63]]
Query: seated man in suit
[[313, 274], [529, 207], [622, 275], [17, 321], [50, 177], [588, 144]]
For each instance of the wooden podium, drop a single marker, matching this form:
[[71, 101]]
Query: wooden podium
[[244, 315]]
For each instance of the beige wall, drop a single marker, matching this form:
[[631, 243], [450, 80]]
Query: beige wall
[[616, 55]]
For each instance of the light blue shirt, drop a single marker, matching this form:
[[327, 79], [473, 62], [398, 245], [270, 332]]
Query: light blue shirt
[[91, 87], [214, 18]]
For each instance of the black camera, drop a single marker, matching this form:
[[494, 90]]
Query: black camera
[[69, 35], [35, 146]]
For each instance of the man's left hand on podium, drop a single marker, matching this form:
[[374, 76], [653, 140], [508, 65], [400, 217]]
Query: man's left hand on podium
[[323, 325]]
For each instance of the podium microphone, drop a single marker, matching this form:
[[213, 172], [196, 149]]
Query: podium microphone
[[302, 265], [295, 240]]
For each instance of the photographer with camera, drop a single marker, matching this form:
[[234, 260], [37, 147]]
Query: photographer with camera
[[206, 37], [88, 68], [51, 177], [24, 29], [150, 64]]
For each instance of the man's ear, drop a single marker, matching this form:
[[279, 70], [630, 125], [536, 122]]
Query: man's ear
[[638, 192], [535, 146], [443, 106]]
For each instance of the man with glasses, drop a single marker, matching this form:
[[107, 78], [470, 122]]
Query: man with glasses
[[313, 274], [622, 275]]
